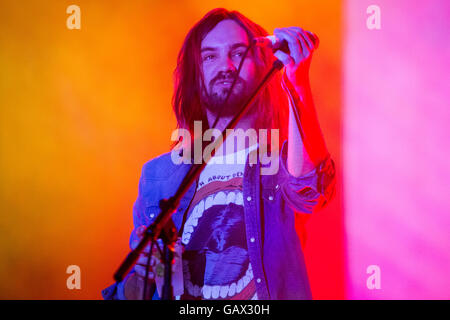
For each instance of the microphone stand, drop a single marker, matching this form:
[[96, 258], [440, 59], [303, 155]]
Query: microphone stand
[[163, 226]]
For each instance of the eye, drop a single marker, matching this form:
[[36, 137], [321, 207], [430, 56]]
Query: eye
[[208, 57]]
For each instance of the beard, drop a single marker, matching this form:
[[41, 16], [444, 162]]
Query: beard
[[215, 100]]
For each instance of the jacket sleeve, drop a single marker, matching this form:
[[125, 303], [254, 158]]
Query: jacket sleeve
[[116, 290], [312, 190]]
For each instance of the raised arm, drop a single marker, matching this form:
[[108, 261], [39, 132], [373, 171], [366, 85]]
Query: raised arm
[[306, 145]]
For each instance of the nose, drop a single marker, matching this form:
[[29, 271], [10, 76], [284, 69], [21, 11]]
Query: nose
[[227, 65]]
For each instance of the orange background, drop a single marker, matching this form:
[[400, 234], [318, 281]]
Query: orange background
[[82, 110]]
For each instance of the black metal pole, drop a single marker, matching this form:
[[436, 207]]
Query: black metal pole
[[167, 290]]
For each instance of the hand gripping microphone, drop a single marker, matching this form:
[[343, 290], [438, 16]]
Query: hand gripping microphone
[[277, 44]]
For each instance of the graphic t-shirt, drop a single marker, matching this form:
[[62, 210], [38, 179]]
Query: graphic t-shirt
[[216, 264]]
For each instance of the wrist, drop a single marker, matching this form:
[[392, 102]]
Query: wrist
[[299, 83]]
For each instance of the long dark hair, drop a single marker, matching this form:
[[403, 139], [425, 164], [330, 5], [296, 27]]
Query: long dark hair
[[272, 102]]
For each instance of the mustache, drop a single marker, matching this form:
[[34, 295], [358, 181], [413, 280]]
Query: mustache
[[226, 78]]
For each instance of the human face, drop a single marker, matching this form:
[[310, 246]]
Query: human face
[[221, 52]]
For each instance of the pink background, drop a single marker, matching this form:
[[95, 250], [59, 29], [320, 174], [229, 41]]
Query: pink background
[[396, 149]]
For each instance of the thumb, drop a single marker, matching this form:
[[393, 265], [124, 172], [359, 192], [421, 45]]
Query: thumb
[[284, 57], [140, 231]]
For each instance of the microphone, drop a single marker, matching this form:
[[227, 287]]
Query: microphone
[[277, 44]]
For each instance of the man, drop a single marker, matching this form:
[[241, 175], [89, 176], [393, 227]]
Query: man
[[237, 222]]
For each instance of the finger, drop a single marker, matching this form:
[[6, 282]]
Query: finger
[[303, 34], [135, 243], [293, 43], [140, 231], [308, 41], [141, 270], [284, 58], [314, 38], [298, 33], [144, 258]]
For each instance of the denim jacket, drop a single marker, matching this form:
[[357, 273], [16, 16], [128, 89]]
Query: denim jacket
[[270, 205]]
